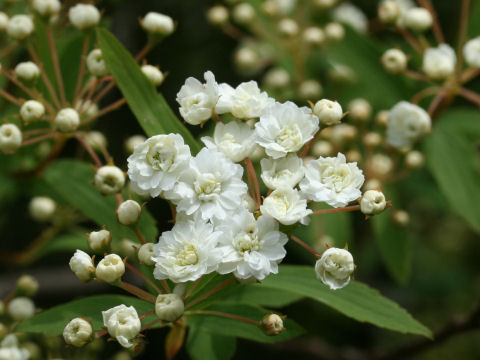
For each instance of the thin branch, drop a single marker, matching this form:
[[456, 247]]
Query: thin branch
[[253, 177], [305, 246], [206, 295], [410, 39], [150, 324], [11, 98], [139, 235], [81, 70], [470, 95], [104, 92], [192, 288], [142, 294], [146, 49], [56, 65], [335, 210], [222, 314], [462, 31], [416, 75], [89, 149], [144, 278], [437, 29], [309, 145], [424, 93], [8, 49], [105, 110], [39, 138]]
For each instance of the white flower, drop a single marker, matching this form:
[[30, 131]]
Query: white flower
[[272, 324], [439, 62], [27, 71], [96, 140], [156, 164], [244, 102], [78, 332], [109, 179], [285, 128], [146, 253], [418, 19], [67, 120], [351, 15], [20, 26], [32, 110], [235, 140], [10, 138], [197, 101], [287, 206], [251, 248], [471, 52], [42, 208], [332, 180], [329, 112], [373, 202], [157, 24], [187, 252], [84, 16], [212, 185], [153, 74], [283, 172], [122, 323], [82, 265], [169, 307], [110, 268], [406, 124], [46, 7], [21, 308], [96, 65], [129, 212], [394, 61], [335, 267], [9, 349], [99, 240]]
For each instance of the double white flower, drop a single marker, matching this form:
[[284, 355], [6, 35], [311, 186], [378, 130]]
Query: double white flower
[[406, 124], [439, 62], [334, 268], [122, 323], [283, 172], [287, 206]]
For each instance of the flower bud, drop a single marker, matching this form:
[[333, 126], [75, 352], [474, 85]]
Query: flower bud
[[372, 184], [133, 141], [96, 140], [414, 159], [169, 307], [99, 240], [21, 308], [329, 112], [400, 218], [439, 62], [243, 13], [277, 78], [153, 74], [145, 254], [418, 19], [3, 21], [270, 8], [471, 52], [27, 71], [334, 268], [272, 324], [84, 16], [394, 61], [353, 156], [42, 208], [343, 133], [109, 179], [342, 73], [322, 148], [157, 24], [46, 7], [10, 138], [126, 248], [324, 4], [110, 268], [334, 31], [86, 108], [122, 323], [217, 15], [360, 109], [20, 27], [27, 285], [288, 27], [382, 118], [31, 110], [313, 36], [78, 332], [96, 65], [246, 59], [372, 139], [67, 120], [310, 89], [388, 11], [373, 202], [380, 165], [82, 266]]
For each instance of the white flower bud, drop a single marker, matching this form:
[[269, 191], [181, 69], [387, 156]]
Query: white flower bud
[[353, 156], [343, 133], [42, 208], [414, 159], [388, 11], [20, 26], [380, 165], [27, 71], [329, 112], [21, 308], [246, 58], [145, 254], [84, 16], [342, 73], [217, 15], [272, 324], [360, 109], [46, 7], [153, 74], [313, 36], [334, 268], [373, 202], [109, 179], [110, 268], [10, 138], [439, 62], [310, 89], [78, 332], [157, 24], [270, 8], [169, 307], [382, 118], [96, 140], [82, 265], [126, 248], [277, 78], [27, 285], [322, 148], [334, 31], [372, 139], [372, 184], [96, 64], [133, 141], [243, 13], [87, 108], [67, 120], [288, 27], [3, 21], [394, 61], [418, 19], [401, 218], [324, 4], [99, 240], [32, 110], [129, 212], [122, 323], [471, 52]]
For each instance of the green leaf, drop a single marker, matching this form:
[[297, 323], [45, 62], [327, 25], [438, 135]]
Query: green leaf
[[202, 345], [257, 294], [53, 321], [215, 324], [68, 242], [356, 300], [71, 179], [453, 159], [149, 107]]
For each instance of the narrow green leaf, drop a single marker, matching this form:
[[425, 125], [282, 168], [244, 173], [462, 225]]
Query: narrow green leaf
[[356, 300], [202, 345], [149, 107]]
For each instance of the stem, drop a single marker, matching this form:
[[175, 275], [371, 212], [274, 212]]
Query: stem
[[28, 133], [470, 95], [437, 100], [328, 211], [56, 64], [105, 110], [309, 145], [305, 246], [149, 325], [93, 87], [119, 198], [410, 39], [416, 75], [103, 92], [468, 75], [165, 286], [423, 94], [462, 32], [437, 29], [81, 70], [146, 49], [11, 98], [143, 277], [206, 295], [253, 177], [192, 288], [139, 235], [89, 149], [8, 49], [142, 294], [222, 314], [39, 138]]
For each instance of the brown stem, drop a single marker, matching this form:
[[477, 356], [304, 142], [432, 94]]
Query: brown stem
[[222, 314], [416, 75], [424, 93], [89, 149], [329, 211], [56, 64], [150, 324], [39, 138], [143, 277], [437, 100], [139, 235], [437, 29], [468, 75], [104, 92], [462, 32], [8, 49], [146, 49], [309, 145], [206, 295], [11, 98], [305, 246], [410, 39], [253, 176], [81, 70], [28, 133], [470, 95], [142, 294], [233, 32], [191, 289], [105, 110]]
